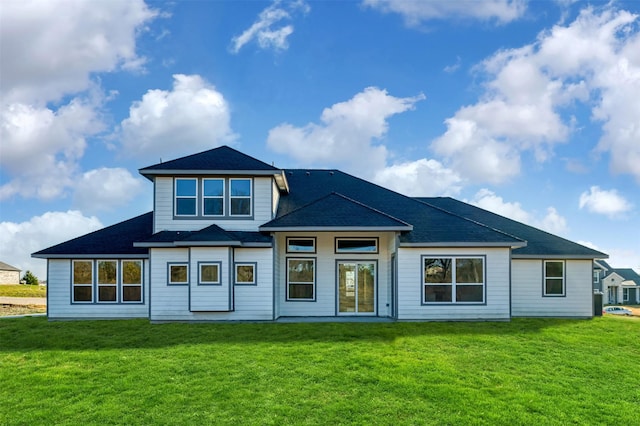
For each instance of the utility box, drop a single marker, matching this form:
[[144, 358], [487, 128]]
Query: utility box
[[597, 304]]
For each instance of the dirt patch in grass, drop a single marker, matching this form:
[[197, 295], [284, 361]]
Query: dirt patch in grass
[[8, 310]]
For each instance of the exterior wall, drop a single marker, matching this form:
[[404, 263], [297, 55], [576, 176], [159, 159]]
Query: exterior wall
[[527, 290], [59, 304], [163, 209], [9, 277], [325, 303], [496, 306], [247, 302]]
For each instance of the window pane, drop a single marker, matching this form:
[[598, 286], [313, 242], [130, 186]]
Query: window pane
[[82, 293], [107, 293], [469, 270], [213, 188], [304, 245], [357, 245], [553, 286], [82, 272], [178, 274], [437, 270], [241, 206], [186, 187], [469, 293], [132, 294], [244, 274], [185, 206], [300, 291], [209, 273], [301, 271], [553, 269], [213, 206], [131, 272], [437, 293], [107, 272], [240, 187]]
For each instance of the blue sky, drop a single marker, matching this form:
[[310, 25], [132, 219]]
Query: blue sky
[[528, 109]]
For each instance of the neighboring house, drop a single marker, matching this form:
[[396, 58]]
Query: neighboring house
[[600, 270], [233, 238], [9, 274], [621, 285]]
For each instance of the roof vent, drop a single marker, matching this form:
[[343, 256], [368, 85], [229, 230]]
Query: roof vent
[[308, 173], [331, 172]]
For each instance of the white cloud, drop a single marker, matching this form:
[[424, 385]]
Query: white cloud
[[268, 30], [421, 178], [416, 12], [600, 201], [593, 60], [41, 147], [106, 189], [347, 133], [55, 45], [193, 113], [552, 222], [19, 240]]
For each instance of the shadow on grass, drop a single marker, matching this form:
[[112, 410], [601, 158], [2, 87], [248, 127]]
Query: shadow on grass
[[25, 334]]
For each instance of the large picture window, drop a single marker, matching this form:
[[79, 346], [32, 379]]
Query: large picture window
[[186, 196], [301, 277], [453, 280], [213, 197], [107, 280], [240, 197], [82, 281], [554, 278], [132, 281]]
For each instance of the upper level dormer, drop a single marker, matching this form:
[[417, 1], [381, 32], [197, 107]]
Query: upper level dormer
[[220, 186]]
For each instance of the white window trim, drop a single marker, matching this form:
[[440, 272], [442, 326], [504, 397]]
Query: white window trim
[[73, 284], [201, 281], [171, 264], [342, 251], [313, 239], [241, 197], [453, 283], [544, 278], [123, 285], [223, 197], [100, 285], [176, 197], [254, 265], [313, 298]]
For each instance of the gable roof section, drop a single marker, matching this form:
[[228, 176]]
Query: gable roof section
[[336, 212], [539, 243], [7, 267], [114, 240], [211, 236], [601, 264], [217, 161], [627, 274], [431, 226]]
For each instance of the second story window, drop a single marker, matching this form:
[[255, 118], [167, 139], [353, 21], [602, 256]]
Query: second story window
[[213, 197], [186, 196], [240, 197]]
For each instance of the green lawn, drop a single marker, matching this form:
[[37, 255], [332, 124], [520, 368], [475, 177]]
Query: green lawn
[[525, 372], [23, 290]]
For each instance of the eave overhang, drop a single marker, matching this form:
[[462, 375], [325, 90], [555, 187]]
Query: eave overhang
[[91, 256], [336, 228]]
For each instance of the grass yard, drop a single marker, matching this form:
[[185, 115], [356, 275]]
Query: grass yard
[[528, 371], [19, 290]]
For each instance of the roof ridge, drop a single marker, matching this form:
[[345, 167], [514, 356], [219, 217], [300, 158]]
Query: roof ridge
[[370, 208]]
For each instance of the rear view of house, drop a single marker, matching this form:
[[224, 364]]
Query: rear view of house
[[233, 238]]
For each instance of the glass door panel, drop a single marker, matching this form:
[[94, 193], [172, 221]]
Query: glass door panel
[[356, 287]]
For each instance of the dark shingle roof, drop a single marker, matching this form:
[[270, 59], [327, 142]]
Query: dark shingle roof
[[116, 239], [336, 211], [539, 243], [223, 159], [430, 225], [211, 235]]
